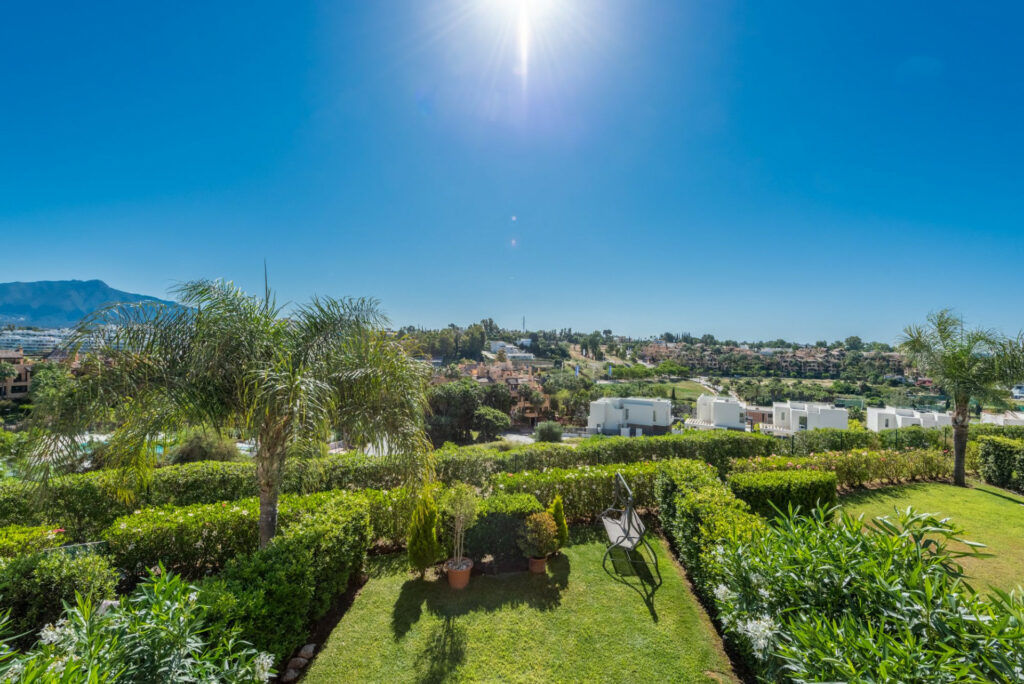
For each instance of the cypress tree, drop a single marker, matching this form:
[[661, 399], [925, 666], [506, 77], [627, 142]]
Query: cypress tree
[[557, 511], [424, 548]]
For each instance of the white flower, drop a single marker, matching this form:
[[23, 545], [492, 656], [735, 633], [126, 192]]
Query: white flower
[[263, 663], [51, 634], [193, 596], [759, 631], [15, 670], [123, 525], [56, 667], [722, 593]]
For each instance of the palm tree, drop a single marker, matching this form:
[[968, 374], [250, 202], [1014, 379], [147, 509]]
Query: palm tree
[[967, 364], [224, 359]]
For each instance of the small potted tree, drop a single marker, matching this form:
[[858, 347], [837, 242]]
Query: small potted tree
[[460, 505], [538, 540]]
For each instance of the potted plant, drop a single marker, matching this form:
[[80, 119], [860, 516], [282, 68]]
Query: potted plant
[[539, 539], [460, 505]]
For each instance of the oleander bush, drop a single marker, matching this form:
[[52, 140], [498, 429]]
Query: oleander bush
[[860, 467], [585, 491], [159, 634], [767, 493], [814, 598], [273, 594], [18, 540], [1002, 462], [34, 587]]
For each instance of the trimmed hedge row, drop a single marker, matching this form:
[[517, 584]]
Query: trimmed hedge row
[[88, 503], [17, 540], [856, 468], [499, 519], [1002, 462], [832, 439], [767, 491]]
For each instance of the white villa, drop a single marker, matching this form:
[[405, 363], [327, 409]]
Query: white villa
[[629, 416], [718, 413], [891, 417], [512, 352], [797, 416], [1004, 419]]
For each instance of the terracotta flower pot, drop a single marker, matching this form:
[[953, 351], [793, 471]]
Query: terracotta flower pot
[[539, 565], [458, 572]]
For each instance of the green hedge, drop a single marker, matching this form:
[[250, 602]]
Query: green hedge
[[17, 540], [1002, 462], [810, 442], [585, 491], [86, 504], [699, 513], [499, 519], [856, 468], [34, 588], [274, 594], [765, 492]]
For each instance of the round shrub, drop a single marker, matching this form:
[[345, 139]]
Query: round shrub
[[548, 431], [539, 537]]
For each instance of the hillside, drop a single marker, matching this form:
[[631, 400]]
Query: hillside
[[58, 303]]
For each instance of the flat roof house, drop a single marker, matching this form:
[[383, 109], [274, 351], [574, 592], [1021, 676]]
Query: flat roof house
[[797, 416], [890, 417], [629, 416], [718, 413], [1004, 419]]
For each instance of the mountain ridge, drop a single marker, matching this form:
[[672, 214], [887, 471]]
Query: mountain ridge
[[59, 303]]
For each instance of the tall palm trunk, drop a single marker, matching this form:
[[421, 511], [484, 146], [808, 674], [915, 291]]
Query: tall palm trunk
[[961, 419], [268, 474], [268, 514]]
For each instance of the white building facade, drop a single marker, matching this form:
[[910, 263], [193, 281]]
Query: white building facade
[[629, 416], [1004, 419], [797, 416], [718, 413], [890, 418]]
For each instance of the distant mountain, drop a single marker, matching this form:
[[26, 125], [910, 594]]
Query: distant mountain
[[58, 303]]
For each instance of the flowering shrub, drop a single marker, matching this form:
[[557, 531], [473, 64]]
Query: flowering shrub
[[769, 492], [17, 540], [34, 587], [1002, 462], [856, 468], [585, 491], [157, 635], [809, 599]]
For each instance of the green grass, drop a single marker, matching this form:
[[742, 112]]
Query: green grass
[[686, 390], [988, 515], [577, 623]]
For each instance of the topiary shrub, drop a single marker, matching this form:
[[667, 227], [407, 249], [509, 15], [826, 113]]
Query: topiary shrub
[[35, 587], [539, 537], [423, 547], [548, 431], [557, 512], [803, 489]]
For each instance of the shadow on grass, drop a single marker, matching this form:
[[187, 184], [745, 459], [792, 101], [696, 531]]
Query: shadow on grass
[[488, 594], [885, 494], [990, 490], [444, 653], [632, 569]]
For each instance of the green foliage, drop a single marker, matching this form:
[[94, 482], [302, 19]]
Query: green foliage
[[767, 491], [35, 587], [273, 594], [548, 431], [490, 423], [160, 634], [499, 521], [860, 467], [18, 540], [453, 407], [585, 491], [1002, 462], [539, 537], [423, 547], [460, 504], [557, 512], [498, 397], [888, 598], [204, 446]]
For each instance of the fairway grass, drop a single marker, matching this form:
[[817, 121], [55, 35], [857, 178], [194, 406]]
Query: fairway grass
[[989, 515], [576, 623]]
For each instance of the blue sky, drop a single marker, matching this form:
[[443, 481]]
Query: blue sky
[[751, 169]]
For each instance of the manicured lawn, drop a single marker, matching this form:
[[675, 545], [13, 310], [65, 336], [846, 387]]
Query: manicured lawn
[[577, 623], [988, 515], [687, 389]]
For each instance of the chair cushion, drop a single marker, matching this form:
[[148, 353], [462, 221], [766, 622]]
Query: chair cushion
[[617, 533]]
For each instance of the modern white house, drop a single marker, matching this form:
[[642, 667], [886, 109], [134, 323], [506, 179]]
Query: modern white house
[[629, 416], [498, 345], [797, 416], [1017, 392], [1004, 419], [716, 412], [890, 417], [512, 352]]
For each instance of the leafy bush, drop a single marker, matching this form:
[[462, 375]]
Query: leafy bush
[[539, 536], [1002, 462], [548, 431], [765, 492], [35, 587], [585, 491], [490, 422], [856, 468], [272, 594], [499, 520], [809, 599], [423, 547], [17, 540], [557, 512], [389, 513], [204, 446], [157, 635]]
